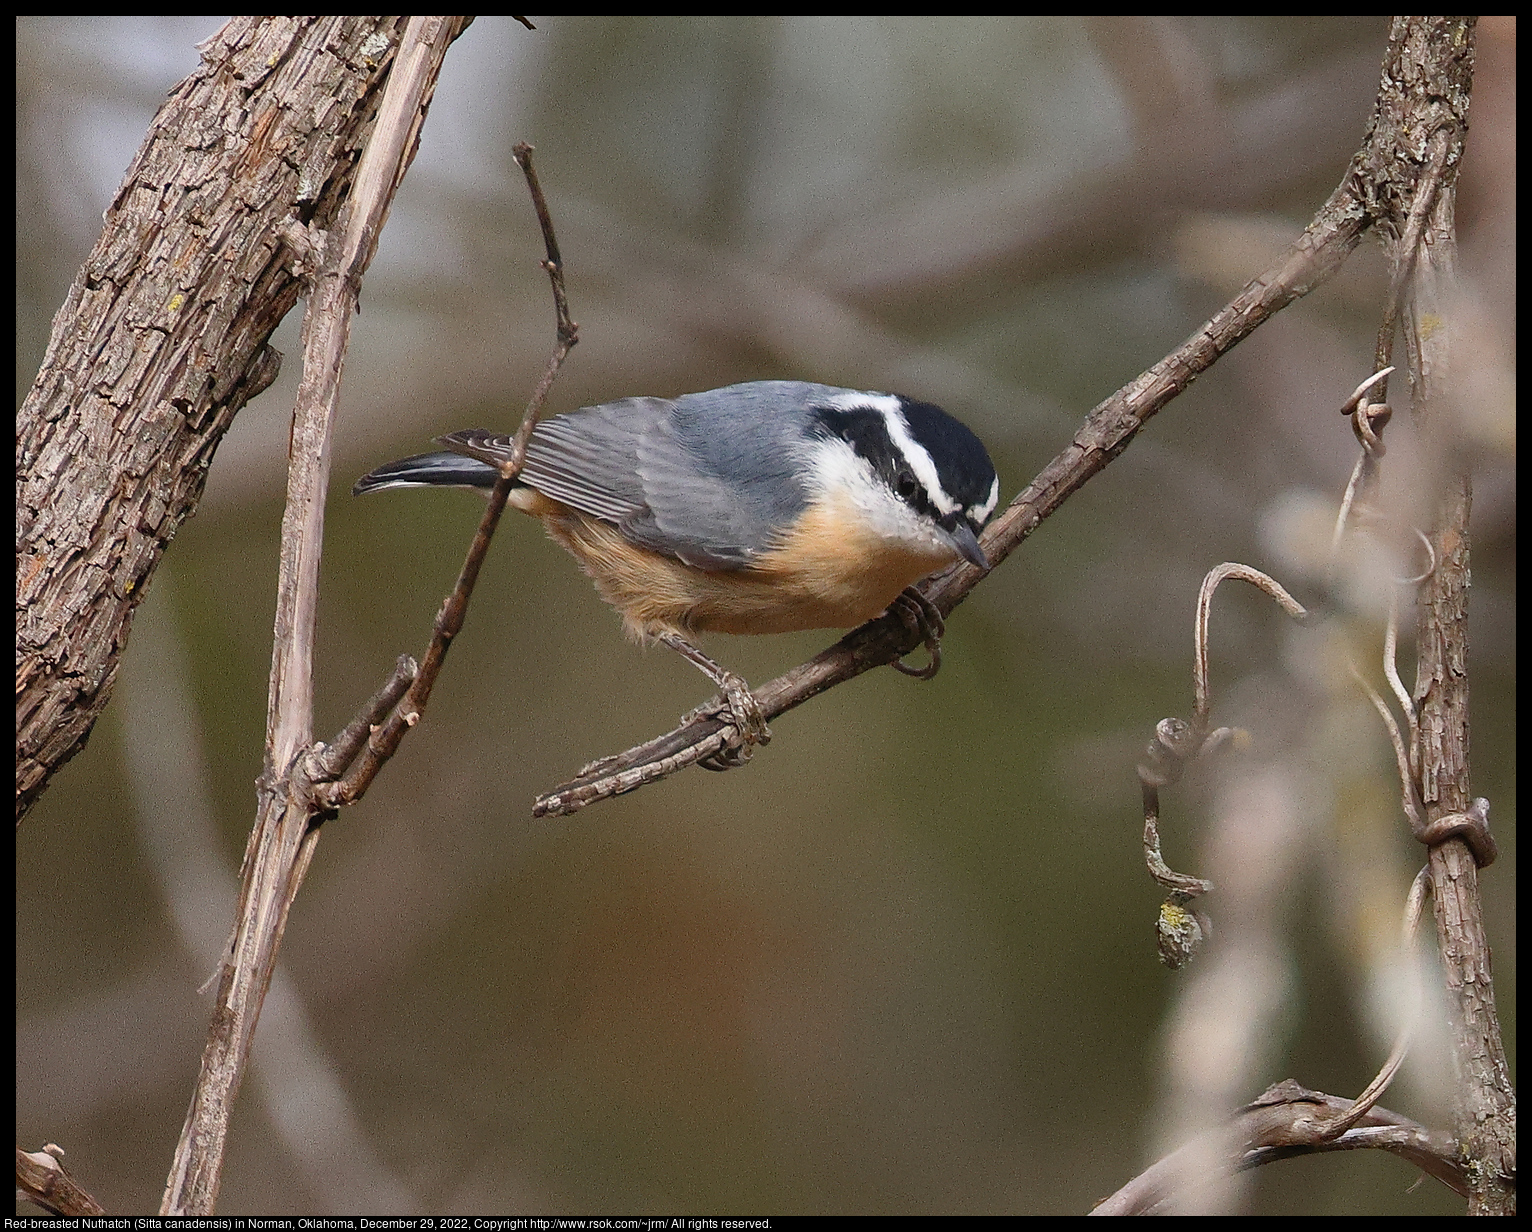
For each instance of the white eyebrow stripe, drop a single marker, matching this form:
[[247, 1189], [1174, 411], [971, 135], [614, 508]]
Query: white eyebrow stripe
[[981, 512], [914, 452]]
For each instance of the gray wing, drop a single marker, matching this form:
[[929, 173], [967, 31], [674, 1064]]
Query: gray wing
[[710, 479], [589, 458]]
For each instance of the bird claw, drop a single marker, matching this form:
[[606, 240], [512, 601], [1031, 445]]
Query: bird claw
[[741, 711], [923, 620]]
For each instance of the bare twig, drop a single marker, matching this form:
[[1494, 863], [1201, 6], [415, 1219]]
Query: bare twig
[[328, 761], [449, 620], [1367, 418], [1471, 825], [1408, 795], [1175, 745], [282, 841], [1401, 694], [1365, 470], [42, 1180], [1374, 1090], [1287, 1120], [568, 331], [1201, 688], [1106, 432], [1404, 253], [1179, 931]]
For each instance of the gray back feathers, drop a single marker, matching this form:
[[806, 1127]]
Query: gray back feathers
[[710, 478]]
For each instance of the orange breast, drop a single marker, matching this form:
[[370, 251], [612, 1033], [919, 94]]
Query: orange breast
[[827, 575]]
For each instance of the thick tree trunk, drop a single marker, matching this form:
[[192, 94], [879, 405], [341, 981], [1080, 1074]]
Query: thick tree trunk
[[163, 338]]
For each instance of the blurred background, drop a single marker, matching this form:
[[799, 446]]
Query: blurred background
[[904, 961]]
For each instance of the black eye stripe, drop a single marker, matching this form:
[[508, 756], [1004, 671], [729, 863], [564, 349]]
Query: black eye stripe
[[866, 431], [963, 468]]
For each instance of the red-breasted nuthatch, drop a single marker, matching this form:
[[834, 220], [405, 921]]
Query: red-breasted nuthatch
[[765, 507]]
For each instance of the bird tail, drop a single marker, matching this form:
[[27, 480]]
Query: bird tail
[[471, 465]]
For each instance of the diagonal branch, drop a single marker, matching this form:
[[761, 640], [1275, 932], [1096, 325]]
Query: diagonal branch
[[362, 765], [282, 841], [1106, 432]]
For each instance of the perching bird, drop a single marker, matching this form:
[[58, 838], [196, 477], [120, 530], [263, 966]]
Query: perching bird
[[764, 507]]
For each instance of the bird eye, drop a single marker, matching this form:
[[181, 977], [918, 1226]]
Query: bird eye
[[904, 484]]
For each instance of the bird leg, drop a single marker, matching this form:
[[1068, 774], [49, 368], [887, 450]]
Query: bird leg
[[740, 708], [923, 620]]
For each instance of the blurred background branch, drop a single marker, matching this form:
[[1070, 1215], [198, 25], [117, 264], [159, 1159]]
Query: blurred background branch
[[833, 991]]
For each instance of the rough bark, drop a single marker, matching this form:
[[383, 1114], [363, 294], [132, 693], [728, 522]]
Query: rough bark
[[163, 338]]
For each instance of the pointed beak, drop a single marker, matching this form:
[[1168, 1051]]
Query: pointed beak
[[967, 543]]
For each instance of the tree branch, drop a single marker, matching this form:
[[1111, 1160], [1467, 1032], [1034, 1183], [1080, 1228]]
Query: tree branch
[[1425, 86], [1286, 1120], [1407, 177], [163, 338], [283, 839], [1106, 432], [361, 766]]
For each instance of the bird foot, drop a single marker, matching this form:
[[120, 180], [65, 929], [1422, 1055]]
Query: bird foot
[[924, 621], [742, 711]]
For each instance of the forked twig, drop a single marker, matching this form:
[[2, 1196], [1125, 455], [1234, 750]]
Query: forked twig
[[385, 740], [283, 837]]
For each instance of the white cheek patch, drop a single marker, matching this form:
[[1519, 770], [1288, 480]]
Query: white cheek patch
[[841, 474], [899, 432]]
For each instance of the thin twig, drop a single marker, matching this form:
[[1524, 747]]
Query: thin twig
[[1362, 412], [449, 620], [282, 840], [1426, 188], [1471, 825], [1412, 808], [1364, 472], [568, 331], [1179, 932], [1419, 888], [330, 760], [1401, 694], [385, 742], [1202, 690], [1106, 432]]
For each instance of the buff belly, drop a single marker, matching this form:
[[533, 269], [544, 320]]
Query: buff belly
[[818, 577]]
